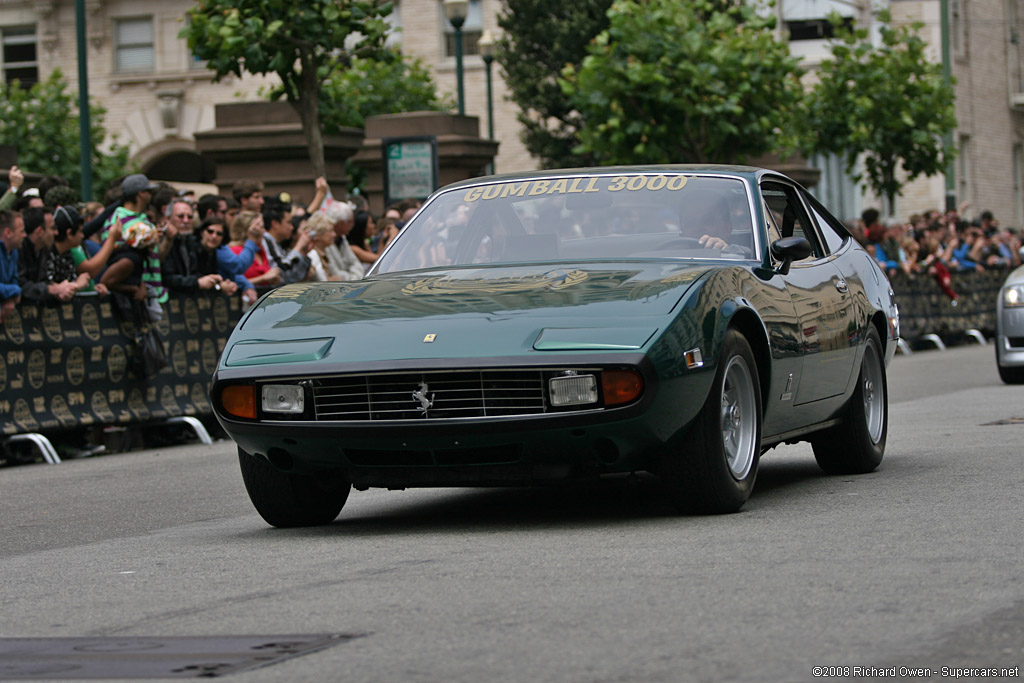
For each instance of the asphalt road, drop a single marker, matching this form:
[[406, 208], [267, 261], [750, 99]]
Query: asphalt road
[[916, 565]]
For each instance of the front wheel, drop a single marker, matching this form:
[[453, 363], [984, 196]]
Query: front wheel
[[857, 444], [285, 499], [715, 470]]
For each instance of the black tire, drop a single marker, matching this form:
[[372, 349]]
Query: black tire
[[856, 445], [1009, 375], [714, 471], [287, 500]]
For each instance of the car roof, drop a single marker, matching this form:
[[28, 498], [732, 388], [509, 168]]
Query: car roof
[[748, 172]]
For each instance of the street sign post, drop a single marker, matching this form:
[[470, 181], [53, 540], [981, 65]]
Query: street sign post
[[410, 167]]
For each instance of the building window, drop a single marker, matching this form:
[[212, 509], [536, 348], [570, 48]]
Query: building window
[[472, 29], [134, 45], [814, 29], [963, 179], [18, 60], [1018, 184], [1013, 55]]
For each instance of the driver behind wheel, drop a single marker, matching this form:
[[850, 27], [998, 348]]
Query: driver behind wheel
[[715, 225]]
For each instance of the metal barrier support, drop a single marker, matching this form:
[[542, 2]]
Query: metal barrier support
[[934, 339], [195, 424], [40, 442], [977, 336]]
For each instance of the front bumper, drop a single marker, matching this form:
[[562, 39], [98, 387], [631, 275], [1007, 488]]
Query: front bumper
[[1010, 335], [484, 450]]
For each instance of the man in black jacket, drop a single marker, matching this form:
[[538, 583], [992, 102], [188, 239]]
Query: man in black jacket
[[191, 264], [34, 258]]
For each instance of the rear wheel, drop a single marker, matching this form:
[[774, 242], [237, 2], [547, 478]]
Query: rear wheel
[[857, 444], [285, 499], [716, 469]]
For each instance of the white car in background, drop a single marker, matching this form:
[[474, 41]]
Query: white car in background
[[1010, 328]]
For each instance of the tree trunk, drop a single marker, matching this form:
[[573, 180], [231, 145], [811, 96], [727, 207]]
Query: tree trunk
[[309, 112]]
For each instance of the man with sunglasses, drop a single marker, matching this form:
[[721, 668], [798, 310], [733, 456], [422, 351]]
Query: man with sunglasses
[[191, 264], [199, 260]]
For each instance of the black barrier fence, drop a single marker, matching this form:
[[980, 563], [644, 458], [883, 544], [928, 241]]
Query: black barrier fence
[[926, 309], [69, 366]]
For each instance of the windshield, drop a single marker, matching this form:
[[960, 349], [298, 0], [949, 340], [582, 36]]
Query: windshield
[[579, 218]]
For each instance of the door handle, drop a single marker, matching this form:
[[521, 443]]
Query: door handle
[[841, 286]]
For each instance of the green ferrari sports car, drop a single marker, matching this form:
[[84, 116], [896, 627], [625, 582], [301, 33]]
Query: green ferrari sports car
[[521, 329]]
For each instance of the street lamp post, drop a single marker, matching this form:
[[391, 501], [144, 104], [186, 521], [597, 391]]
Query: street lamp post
[[486, 45], [457, 11]]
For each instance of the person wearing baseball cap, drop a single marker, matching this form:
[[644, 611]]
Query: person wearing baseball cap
[[134, 267], [132, 185]]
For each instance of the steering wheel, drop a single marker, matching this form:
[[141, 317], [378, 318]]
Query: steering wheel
[[679, 243]]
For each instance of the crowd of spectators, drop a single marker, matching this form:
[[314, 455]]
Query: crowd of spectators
[[936, 241], [148, 239]]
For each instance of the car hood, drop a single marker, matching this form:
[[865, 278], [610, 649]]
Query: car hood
[[464, 312]]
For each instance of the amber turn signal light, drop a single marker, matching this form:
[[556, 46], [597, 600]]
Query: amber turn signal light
[[621, 386], [239, 400]]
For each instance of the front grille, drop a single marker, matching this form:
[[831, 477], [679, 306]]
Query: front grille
[[434, 395]]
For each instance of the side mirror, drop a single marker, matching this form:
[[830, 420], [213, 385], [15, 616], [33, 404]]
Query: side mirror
[[789, 249]]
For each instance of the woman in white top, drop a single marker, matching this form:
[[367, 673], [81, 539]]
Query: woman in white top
[[321, 234]]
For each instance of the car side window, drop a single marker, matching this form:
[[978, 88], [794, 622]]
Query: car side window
[[789, 215], [832, 229]]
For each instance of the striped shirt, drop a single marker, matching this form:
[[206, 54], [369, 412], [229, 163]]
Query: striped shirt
[[151, 265]]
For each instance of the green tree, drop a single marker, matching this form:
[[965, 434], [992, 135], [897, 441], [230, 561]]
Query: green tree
[[674, 81], [369, 87], [887, 104], [302, 41], [540, 38], [42, 123]]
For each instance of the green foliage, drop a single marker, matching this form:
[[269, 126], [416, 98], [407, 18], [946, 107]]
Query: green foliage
[[43, 124], [540, 38], [888, 105], [371, 86], [302, 41], [677, 81]]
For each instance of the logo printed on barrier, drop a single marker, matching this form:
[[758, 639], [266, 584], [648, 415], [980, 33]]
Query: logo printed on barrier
[[167, 400], [51, 324], [117, 363], [179, 359], [76, 365], [137, 404], [209, 355], [90, 322], [37, 369], [100, 407], [14, 328], [163, 326], [191, 316], [59, 409], [23, 416], [199, 397], [220, 314]]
